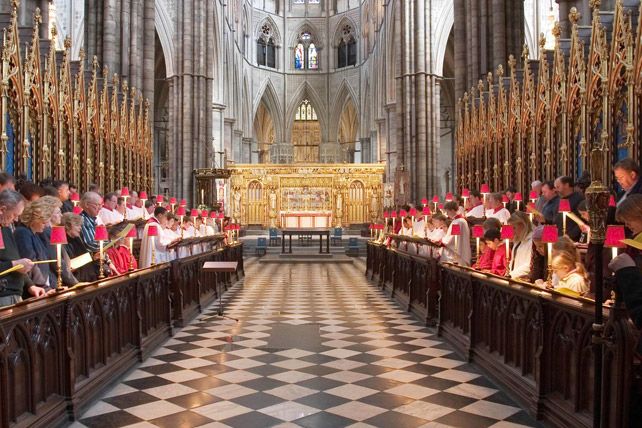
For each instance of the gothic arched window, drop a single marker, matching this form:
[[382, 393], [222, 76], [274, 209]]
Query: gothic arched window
[[347, 50], [306, 56], [266, 48], [305, 112]]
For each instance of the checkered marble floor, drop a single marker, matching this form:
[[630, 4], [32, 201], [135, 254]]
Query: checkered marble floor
[[361, 362]]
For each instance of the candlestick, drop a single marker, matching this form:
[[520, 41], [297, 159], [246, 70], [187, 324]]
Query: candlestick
[[131, 253], [59, 265], [101, 273], [153, 251]]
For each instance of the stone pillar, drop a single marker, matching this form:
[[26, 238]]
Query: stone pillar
[[499, 32], [460, 48], [44, 13], [109, 34], [149, 53], [128, 30]]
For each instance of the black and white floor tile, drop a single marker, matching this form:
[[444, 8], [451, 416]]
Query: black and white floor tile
[[315, 346]]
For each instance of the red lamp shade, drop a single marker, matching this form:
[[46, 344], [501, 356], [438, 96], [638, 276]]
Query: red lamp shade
[[505, 199], [565, 206], [152, 230], [142, 195], [160, 198], [549, 234], [237, 227], [403, 213], [172, 201], [77, 210], [183, 202], [440, 206], [74, 197], [413, 212], [465, 193], [101, 233], [424, 201], [533, 195], [386, 214], [531, 206], [193, 212], [612, 201], [132, 233], [180, 211], [485, 188], [614, 237], [425, 210], [228, 227], [1, 242], [221, 215], [213, 214], [478, 231], [435, 199], [455, 229], [371, 226], [449, 197], [507, 232], [393, 214], [204, 213], [58, 235], [518, 197], [124, 191]]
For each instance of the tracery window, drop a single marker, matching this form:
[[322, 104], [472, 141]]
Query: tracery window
[[305, 112], [266, 48], [347, 49], [306, 56]]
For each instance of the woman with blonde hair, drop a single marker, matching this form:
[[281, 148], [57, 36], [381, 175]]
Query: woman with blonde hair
[[522, 251], [569, 273], [35, 217]]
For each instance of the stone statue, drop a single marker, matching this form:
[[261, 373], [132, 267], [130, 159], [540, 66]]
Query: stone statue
[[272, 212], [374, 205], [237, 204]]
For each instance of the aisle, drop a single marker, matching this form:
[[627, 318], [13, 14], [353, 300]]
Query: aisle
[[315, 346]]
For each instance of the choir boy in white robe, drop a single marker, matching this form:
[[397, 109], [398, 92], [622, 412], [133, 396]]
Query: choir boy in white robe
[[173, 232], [108, 214], [437, 234], [475, 206], [456, 248], [135, 208], [161, 253]]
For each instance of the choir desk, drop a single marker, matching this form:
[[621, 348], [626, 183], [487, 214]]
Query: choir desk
[[307, 231]]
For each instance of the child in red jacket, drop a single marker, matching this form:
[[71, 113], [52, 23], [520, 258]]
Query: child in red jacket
[[499, 263]]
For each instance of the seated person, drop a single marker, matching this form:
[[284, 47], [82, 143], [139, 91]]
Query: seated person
[[495, 254], [522, 251], [15, 284], [406, 229], [585, 229], [119, 254], [74, 247], [108, 214], [568, 274], [539, 269], [55, 205], [161, 241], [34, 218], [485, 260], [475, 212]]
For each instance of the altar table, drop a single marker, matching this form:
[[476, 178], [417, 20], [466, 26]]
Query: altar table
[[298, 219], [307, 231]]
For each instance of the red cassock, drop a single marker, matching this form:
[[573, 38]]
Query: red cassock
[[500, 263], [121, 258], [485, 261]]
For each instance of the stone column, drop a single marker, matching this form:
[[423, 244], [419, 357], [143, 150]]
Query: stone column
[[128, 30], [499, 32], [149, 53], [109, 34], [420, 167], [460, 48]]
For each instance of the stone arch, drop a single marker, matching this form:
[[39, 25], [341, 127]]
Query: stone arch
[[276, 35], [317, 34], [445, 23], [165, 30], [338, 31], [268, 97], [344, 95], [305, 91]]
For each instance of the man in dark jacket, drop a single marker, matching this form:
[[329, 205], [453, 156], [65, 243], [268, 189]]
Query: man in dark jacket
[[17, 283], [565, 188], [627, 174]]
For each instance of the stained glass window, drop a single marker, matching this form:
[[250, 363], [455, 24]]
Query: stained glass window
[[305, 112], [313, 63], [299, 57]]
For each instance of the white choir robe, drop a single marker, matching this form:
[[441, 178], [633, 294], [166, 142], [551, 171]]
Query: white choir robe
[[521, 255], [184, 250], [457, 250], [436, 235], [161, 254], [477, 211], [135, 213], [172, 235], [109, 217], [501, 214], [419, 228], [193, 232]]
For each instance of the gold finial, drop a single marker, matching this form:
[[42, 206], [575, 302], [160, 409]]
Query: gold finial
[[132, 93], [489, 79], [542, 41], [94, 63], [37, 18], [511, 63], [574, 16], [525, 52], [500, 71], [67, 42], [465, 97], [125, 87], [54, 32], [480, 86], [81, 55], [105, 74], [595, 4], [115, 80], [14, 11]]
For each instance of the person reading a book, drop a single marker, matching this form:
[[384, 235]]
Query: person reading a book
[[119, 253], [33, 220], [13, 284], [569, 273], [55, 205]]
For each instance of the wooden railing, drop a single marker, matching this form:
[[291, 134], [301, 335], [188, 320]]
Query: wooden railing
[[57, 354], [536, 344]]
